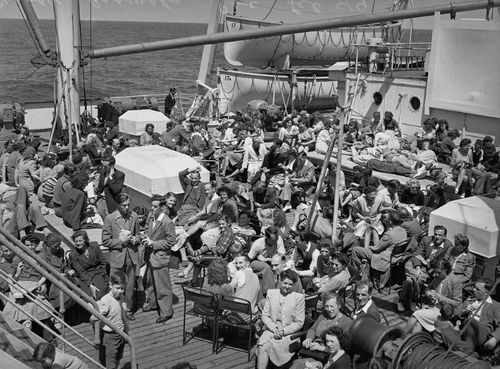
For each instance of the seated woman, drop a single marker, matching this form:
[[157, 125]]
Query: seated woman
[[283, 315], [369, 225], [24, 217], [288, 132], [234, 153], [323, 137], [336, 342], [48, 172], [306, 137], [93, 148], [428, 129], [218, 278], [147, 136], [464, 172], [89, 265], [425, 154], [31, 281], [224, 205], [53, 254], [217, 249], [74, 205], [243, 231], [412, 194], [26, 170]]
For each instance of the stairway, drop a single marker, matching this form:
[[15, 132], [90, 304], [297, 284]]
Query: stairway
[[16, 345]]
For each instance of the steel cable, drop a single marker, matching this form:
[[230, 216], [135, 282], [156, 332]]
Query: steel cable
[[427, 356]]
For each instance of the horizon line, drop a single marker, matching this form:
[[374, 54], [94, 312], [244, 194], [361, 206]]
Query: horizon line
[[111, 20], [144, 21]]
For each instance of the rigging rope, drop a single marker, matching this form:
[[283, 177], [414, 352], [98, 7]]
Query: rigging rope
[[82, 66], [22, 82], [270, 10]]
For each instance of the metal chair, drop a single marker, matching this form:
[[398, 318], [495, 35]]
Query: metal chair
[[204, 307], [468, 288], [397, 257], [238, 313]]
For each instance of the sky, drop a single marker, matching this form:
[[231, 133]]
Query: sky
[[197, 11]]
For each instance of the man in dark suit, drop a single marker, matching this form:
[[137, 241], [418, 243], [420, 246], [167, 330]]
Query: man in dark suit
[[120, 234], [170, 101], [160, 238], [110, 184], [194, 194], [483, 325]]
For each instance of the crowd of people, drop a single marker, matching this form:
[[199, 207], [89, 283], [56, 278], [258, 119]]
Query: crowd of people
[[257, 231]]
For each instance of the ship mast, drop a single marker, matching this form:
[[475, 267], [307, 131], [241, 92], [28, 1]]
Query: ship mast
[[67, 18], [208, 50]]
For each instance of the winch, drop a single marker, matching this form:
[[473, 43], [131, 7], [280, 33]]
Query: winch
[[388, 350]]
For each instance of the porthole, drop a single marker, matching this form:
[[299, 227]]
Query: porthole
[[377, 98], [415, 103]]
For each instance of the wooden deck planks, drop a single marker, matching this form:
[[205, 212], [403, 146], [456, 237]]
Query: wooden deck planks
[[160, 345]]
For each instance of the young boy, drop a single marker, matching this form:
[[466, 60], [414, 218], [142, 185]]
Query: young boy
[[114, 308]]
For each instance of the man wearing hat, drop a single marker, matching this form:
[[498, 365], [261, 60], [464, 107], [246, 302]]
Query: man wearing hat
[[110, 184], [160, 239], [170, 101]]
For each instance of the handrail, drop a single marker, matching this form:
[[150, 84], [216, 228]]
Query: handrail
[[33, 299], [38, 321], [90, 305], [50, 268]]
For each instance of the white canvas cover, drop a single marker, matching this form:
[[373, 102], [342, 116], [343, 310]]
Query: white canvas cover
[[155, 169], [133, 122], [477, 217]]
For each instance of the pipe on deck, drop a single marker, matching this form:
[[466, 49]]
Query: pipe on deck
[[352, 21]]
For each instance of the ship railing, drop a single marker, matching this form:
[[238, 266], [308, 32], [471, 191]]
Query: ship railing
[[64, 285], [408, 63], [391, 60], [54, 314], [184, 100]]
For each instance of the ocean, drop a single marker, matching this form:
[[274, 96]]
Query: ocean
[[151, 73], [138, 74]]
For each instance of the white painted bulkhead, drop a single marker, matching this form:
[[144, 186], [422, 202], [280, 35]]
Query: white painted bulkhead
[[396, 94]]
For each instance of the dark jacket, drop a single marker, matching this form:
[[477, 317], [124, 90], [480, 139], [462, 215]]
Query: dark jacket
[[73, 208], [112, 188]]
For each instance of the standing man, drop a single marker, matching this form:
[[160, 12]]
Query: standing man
[[120, 234], [170, 101], [160, 238], [110, 185]]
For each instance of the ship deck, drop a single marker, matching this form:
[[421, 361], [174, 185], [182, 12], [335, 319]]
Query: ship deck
[[160, 345]]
